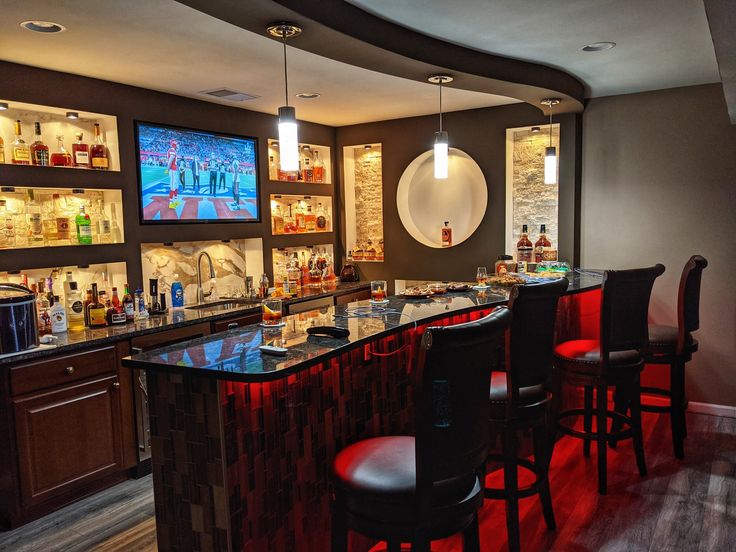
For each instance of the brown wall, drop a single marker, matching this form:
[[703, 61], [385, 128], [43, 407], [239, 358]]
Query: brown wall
[[659, 185], [482, 134], [39, 86]]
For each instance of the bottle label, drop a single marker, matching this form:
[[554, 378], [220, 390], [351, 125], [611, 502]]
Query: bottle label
[[81, 157], [104, 226], [41, 157], [77, 307], [129, 310], [85, 231], [100, 162], [58, 321], [118, 317], [97, 317], [321, 222], [446, 237], [63, 226], [21, 154], [35, 222]]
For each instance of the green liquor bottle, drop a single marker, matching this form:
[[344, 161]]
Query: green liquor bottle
[[84, 227]]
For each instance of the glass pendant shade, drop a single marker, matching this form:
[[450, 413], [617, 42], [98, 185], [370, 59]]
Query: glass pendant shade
[[288, 139], [550, 165], [441, 159]]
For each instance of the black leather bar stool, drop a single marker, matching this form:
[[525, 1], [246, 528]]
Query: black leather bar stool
[[417, 489], [520, 399], [614, 360], [675, 346]]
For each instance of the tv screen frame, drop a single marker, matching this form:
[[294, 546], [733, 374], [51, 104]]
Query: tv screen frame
[[204, 178]]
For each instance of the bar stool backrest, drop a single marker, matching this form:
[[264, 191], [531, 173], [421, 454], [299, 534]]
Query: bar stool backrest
[[452, 401], [624, 308], [532, 333], [688, 299]]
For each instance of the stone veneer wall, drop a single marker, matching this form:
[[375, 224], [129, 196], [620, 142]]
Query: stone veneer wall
[[368, 195], [534, 202]]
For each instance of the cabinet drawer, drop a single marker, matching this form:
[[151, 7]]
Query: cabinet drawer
[[62, 370], [223, 325], [361, 295]]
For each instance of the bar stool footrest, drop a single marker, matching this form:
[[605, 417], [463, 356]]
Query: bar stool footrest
[[654, 407], [593, 436], [495, 493]]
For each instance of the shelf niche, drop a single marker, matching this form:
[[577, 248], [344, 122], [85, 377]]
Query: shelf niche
[[363, 186], [281, 256], [284, 218], [313, 152], [105, 275], [58, 208], [54, 122]]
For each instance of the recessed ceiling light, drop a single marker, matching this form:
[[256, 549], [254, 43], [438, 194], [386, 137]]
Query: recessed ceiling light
[[73, 115], [43, 26], [598, 46], [308, 95], [3, 106], [536, 129]]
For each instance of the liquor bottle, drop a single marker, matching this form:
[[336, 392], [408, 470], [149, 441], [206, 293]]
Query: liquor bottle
[[87, 301], [115, 312], [76, 318], [62, 221], [96, 312], [305, 270], [7, 225], [2, 151], [319, 168], [42, 310], [524, 247], [39, 150], [273, 172], [61, 158], [35, 222], [58, 316], [294, 275], [321, 221], [98, 155], [115, 234], [289, 224], [80, 152], [104, 227], [128, 305], [380, 251], [540, 244], [263, 286], [446, 236], [278, 220], [84, 227], [307, 171], [310, 220], [370, 251], [301, 223], [21, 153]]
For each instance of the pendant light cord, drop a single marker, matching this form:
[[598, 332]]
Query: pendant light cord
[[550, 125], [440, 83], [286, 74]]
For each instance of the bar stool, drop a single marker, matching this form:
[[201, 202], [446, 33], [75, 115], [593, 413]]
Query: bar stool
[[417, 489], [520, 399], [614, 360]]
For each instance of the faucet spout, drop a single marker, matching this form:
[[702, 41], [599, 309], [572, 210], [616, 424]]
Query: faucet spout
[[200, 292]]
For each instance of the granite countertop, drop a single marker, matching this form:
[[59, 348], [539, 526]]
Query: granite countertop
[[235, 355], [175, 318]]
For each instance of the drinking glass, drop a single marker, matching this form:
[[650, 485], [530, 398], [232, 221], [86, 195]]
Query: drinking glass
[[481, 276], [378, 290], [272, 311]]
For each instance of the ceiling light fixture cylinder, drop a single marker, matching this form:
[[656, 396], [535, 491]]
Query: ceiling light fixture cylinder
[[550, 153], [441, 154], [288, 139]]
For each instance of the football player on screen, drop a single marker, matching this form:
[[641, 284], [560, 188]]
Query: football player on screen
[[173, 175]]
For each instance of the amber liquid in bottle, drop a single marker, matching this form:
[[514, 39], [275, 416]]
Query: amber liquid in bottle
[[39, 150], [540, 244], [98, 152], [20, 152], [524, 247], [80, 152], [61, 158], [96, 310]]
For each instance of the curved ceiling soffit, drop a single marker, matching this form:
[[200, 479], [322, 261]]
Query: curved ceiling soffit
[[337, 30]]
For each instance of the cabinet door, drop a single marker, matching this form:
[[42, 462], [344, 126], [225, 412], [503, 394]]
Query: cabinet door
[[67, 437], [222, 325]]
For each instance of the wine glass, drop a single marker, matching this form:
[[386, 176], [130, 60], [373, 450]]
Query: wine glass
[[481, 276]]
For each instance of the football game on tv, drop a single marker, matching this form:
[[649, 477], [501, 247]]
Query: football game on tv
[[189, 175]]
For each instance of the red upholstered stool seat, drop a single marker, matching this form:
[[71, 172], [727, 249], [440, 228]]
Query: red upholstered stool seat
[[584, 356], [663, 340], [379, 477], [528, 396]]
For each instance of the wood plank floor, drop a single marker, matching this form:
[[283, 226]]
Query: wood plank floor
[[687, 506]]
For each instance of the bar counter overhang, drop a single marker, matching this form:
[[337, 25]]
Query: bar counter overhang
[[242, 442]]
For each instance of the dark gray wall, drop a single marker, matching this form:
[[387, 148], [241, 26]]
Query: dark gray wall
[[659, 185], [482, 134]]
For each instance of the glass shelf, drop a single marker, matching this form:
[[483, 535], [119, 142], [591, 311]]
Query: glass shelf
[[54, 122], [314, 161], [46, 217], [363, 185], [295, 214], [105, 275]]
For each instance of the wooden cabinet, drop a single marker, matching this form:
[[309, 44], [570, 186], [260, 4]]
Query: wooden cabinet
[[360, 295], [230, 323], [67, 436]]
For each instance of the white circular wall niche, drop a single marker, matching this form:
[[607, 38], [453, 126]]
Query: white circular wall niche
[[424, 203]]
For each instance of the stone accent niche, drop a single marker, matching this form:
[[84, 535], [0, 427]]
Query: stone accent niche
[[363, 200], [232, 260], [528, 199]]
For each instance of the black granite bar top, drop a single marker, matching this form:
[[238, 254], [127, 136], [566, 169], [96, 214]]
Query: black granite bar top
[[235, 354], [175, 318]]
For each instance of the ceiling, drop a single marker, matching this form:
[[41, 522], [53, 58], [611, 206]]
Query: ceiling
[[660, 43], [167, 46]]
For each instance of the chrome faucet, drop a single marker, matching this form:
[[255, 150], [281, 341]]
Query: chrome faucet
[[200, 292]]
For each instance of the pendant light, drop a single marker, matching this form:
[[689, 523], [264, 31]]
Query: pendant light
[[288, 139], [550, 154], [441, 144]]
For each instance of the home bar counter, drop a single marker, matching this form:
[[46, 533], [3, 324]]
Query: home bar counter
[[242, 442]]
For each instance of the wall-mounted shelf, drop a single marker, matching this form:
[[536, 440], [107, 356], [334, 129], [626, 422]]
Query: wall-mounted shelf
[[363, 184], [105, 275], [46, 217], [55, 122], [294, 214], [281, 256], [315, 165]]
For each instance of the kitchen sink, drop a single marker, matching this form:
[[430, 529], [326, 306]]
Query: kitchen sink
[[225, 304]]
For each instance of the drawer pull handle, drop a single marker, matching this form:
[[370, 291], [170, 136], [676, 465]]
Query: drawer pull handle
[[116, 386], [69, 370], [232, 325]]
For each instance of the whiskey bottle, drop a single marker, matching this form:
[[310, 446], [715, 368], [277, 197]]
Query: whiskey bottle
[[310, 220], [540, 244], [35, 222], [115, 234], [321, 221], [301, 223], [278, 220], [524, 247], [62, 221], [21, 153], [39, 150], [96, 312], [273, 173], [307, 172], [104, 228], [61, 158], [319, 168], [80, 152], [98, 154], [2, 151], [84, 227]]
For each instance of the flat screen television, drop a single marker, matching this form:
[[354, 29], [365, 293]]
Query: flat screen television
[[195, 176]]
